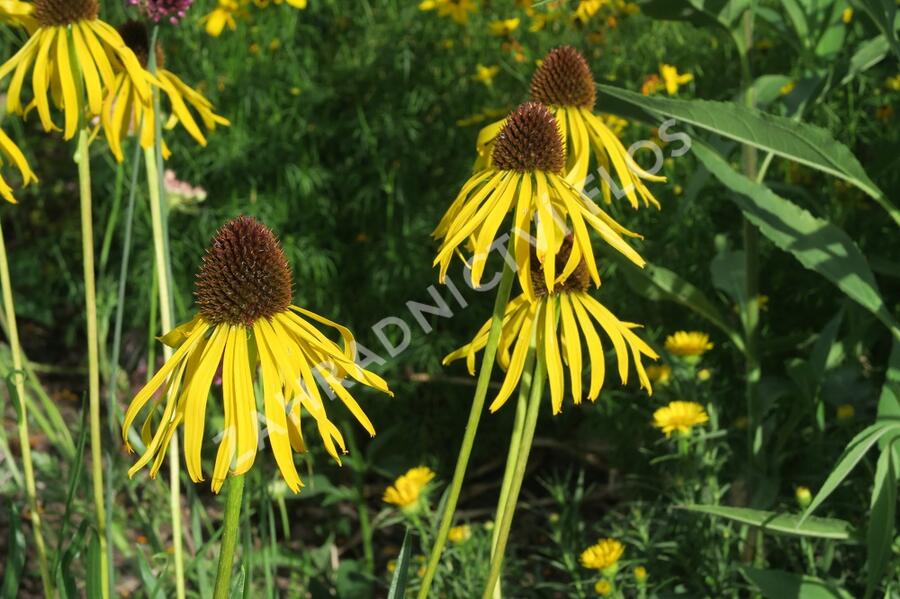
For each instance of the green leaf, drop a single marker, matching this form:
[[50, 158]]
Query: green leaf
[[776, 584], [867, 55], [658, 283], [15, 555], [854, 452], [786, 524], [94, 582], [889, 400], [800, 142], [818, 245], [882, 515], [884, 14], [699, 12], [399, 581], [728, 270]]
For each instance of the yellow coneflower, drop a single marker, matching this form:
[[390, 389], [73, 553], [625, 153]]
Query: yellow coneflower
[[688, 344], [61, 64], [407, 489], [17, 14], [602, 555], [525, 177], [564, 83], [680, 416], [12, 152], [245, 318], [560, 342], [123, 110]]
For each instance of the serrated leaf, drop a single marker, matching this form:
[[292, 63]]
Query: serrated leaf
[[780, 523], [800, 142], [777, 584], [817, 244]]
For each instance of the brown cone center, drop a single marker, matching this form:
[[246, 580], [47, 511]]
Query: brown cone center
[[564, 79], [579, 280], [55, 13], [529, 141], [244, 276], [137, 38]]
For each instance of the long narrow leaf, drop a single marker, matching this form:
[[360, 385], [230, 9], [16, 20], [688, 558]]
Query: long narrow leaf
[[880, 535], [398, 583], [786, 524]]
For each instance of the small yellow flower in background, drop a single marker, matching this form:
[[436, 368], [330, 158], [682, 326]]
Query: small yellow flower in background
[[587, 9], [786, 88], [603, 588], [485, 74], [679, 416], [659, 373], [615, 123], [503, 27], [847, 15], [222, 16], [893, 83], [391, 566], [640, 574], [762, 302], [460, 534], [845, 413], [426, 5], [803, 497], [604, 555], [407, 489], [458, 10], [688, 344], [673, 79], [652, 84], [704, 374]]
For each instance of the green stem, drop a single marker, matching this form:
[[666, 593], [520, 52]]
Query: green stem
[[90, 300], [229, 536], [515, 442], [465, 451], [24, 437], [531, 418]]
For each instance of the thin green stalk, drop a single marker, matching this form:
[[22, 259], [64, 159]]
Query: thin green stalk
[[233, 499], [531, 418], [153, 160], [90, 300], [465, 451], [24, 437], [515, 441], [362, 508]]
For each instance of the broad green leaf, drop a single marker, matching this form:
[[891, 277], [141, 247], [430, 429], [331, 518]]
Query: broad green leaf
[[15, 554], [658, 283], [94, 582], [884, 14], [817, 244], [853, 453], [867, 55], [882, 515], [777, 584], [774, 522], [800, 142], [797, 16], [728, 270], [399, 581]]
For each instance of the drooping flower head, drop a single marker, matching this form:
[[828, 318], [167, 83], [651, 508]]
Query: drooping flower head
[[158, 10], [246, 322], [13, 154], [71, 47], [680, 417], [602, 555], [407, 489], [559, 338], [525, 178], [123, 112], [564, 83]]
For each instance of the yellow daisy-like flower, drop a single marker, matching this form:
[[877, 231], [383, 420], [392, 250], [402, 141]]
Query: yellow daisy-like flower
[[564, 84], [603, 555], [688, 344], [587, 9], [485, 74], [222, 16], [17, 14], [525, 177], [560, 342], [679, 416], [603, 587], [246, 320], [123, 112], [70, 47], [458, 10], [460, 534], [407, 489], [640, 574], [673, 79], [503, 27], [13, 154]]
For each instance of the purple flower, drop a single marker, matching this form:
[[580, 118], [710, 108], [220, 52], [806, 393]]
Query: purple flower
[[172, 10]]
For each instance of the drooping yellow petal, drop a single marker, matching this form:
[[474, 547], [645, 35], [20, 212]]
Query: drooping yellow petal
[[595, 347], [572, 343], [195, 404], [550, 347]]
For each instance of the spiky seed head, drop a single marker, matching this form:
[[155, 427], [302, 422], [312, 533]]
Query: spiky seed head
[[529, 141], [579, 280], [244, 276], [56, 13], [564, 79]]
